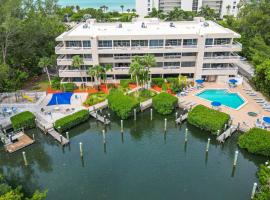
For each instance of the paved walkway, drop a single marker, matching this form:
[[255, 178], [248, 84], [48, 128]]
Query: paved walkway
[[240, 115]]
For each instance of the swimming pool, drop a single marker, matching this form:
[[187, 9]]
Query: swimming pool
[[60, 98], [226, 98]]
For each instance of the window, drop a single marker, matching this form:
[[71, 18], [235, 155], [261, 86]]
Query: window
[[209, 41], [105, 43], [189, 54], [137, 43], [171, 64], [105, 55], [73, 44], [222, 41], [190, 42], [86, 44], [188, 64], [156, 43], [173, 42], [121, 43], [172, 55], [87, 56]]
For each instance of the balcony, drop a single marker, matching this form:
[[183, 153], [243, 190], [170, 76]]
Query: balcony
[[60, 49], [235, 46], [63, 60], [222, 59], [220, 71]]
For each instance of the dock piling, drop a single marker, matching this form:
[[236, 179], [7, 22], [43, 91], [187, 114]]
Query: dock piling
[[122, 126], [104, 136], [134, 114], [33, 137], [81, 149], [186, 135], [208, 144], [67, 136], [24, 158], [235, 158], [253, 190], [151, 114], [165, 124], [176, 116]]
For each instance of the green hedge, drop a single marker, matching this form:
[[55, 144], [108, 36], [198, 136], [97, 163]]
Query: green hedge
[[23, 120], [264, 177], [93, 99], [125, 82], [164, 103], [157, 81], [66, 123], [208, 119], [56, 84], [121, 104], [68, 87], [256, 141]]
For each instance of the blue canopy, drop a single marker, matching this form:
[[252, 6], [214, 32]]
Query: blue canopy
[[216, 103], [233, 81], [200, 81], [266, 120]]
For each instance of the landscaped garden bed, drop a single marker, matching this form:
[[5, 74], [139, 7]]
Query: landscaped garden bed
[[70, 121], [143, 95], [93, 99], [164, 103], [23, 120], [208, 119], [256, 141], [121, 104]]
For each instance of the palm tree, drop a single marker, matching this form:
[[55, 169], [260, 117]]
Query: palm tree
[[44, 63], [128, 10], [91, 73], [148, 61], [106, 69], [228, 7], [77, 62], [135, 70], [133, 10], [96, 71], [122, 7]]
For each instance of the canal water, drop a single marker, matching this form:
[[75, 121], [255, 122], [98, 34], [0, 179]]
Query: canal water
[[141, 163]]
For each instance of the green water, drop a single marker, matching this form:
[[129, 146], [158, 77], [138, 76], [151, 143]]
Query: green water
[[143, 163]]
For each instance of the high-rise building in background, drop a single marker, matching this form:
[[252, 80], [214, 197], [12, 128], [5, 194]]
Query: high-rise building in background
[[222, 7]]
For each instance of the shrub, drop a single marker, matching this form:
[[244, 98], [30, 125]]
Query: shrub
[[256, 141], [157, 81], [176, 87], [164, 103], [66, 123], [23, 120], [56, 84], [208, 119], [264, 177], [69, 87], [164, 87], [121, 104], [93, 99], [125, 82]]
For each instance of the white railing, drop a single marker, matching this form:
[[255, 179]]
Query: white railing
[[223, 57], [235, 44], [221, 68], [190, 46]]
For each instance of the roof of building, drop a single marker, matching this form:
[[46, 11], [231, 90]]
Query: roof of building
[[149, 26]]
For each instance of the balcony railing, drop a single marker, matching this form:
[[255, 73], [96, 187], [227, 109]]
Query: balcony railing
[[63, 58], [234, 44], [222, 57]]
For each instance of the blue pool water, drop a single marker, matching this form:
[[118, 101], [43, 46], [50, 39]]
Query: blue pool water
[[232, 100], [60, 98]]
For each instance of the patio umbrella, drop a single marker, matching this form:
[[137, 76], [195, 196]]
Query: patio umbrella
[[199, 81], [266, 120], [215, 103], [233, 81]]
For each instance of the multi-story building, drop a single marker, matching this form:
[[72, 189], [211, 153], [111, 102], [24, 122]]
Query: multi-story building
[[196, 49], [222, 7]]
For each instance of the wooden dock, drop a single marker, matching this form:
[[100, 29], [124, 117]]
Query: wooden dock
[[100, 118], [181, 118], [48, 128], [146, 104], [226, 134], [21, 140]]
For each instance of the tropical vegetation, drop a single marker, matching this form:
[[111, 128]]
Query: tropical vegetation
[[164, 103], [93, 99], [208, 119], [256, 141], [143, 95], [121, 104], [8, 192], [23, 120], [68, 122], [264, 179]]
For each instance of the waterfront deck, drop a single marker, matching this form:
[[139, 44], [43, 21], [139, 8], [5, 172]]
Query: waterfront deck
[[21, 141], [226, 134], [181, 118]]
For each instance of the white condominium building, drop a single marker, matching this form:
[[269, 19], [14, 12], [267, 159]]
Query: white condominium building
[[196, 49], [222, 7]]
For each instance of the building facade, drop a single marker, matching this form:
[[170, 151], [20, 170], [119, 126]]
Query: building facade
[[196, 49], [222, 7]]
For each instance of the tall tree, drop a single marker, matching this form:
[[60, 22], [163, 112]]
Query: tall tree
[[45, 63], [122, 8], [77, 62]]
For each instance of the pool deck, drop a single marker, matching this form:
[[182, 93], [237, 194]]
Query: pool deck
[[239, 116]]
